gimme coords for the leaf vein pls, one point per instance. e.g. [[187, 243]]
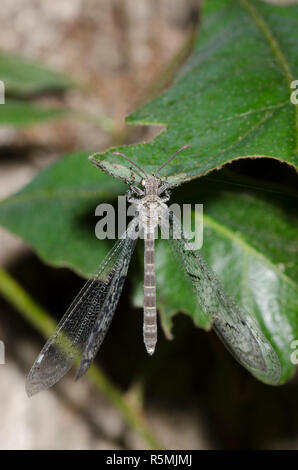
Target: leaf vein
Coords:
[[218, 227], [275, 47]]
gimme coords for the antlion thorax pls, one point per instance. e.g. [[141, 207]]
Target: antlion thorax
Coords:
[[150, 205]]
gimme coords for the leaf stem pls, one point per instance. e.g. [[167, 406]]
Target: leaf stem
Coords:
[[13, 292]]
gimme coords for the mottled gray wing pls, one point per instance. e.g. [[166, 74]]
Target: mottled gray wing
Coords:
[[108, 307], [68, 341], [237, 329]]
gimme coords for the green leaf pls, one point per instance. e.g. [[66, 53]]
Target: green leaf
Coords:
[[55, 213], [250, 242], [231, 100], [22, 77], [23, 113]]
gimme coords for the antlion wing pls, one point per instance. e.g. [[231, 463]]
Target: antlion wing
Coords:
[[107, 309], [237, 329], [91, 311]]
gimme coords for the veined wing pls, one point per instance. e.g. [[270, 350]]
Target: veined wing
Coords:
[[107, 308], [69, 339], [238, 331]]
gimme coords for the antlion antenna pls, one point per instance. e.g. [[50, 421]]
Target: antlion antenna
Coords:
[[158, 169], [130, 161], [171, 158]]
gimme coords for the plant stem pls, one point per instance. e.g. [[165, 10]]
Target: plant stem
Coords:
[[41, 320]]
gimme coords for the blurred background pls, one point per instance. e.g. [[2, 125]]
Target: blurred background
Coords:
[[121, 53]]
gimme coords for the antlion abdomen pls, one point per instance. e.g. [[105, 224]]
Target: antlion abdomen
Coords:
[[149, 210], [150, 325]]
